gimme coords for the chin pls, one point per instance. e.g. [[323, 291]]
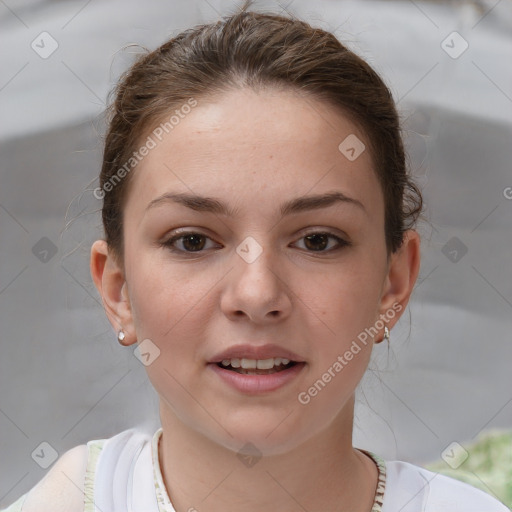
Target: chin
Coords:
[[259, 440]]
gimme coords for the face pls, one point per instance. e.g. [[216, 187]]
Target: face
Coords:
[[200, 282]]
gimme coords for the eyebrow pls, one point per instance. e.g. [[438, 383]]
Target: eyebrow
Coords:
[[212, 205]]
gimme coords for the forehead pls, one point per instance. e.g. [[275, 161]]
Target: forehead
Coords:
[[244, 143]]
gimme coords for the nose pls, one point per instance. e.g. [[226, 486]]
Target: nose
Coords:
[[257, 290]]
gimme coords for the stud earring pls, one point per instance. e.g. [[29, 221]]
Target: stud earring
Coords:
[[121, 336], [386, 333]]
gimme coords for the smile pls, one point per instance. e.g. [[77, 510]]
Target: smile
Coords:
[[257, 366], [245, 375]]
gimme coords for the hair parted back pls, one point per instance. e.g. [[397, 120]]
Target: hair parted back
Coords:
[[257, 50]]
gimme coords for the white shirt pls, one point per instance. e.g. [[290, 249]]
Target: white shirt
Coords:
[[123, 475]]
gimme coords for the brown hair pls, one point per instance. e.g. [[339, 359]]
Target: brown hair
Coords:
[[251, 49]]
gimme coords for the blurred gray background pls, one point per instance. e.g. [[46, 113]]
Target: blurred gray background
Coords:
[[65, 380]]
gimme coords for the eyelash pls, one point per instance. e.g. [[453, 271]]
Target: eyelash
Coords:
[[169, 243]]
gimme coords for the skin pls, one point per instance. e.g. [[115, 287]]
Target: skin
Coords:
[[254, 151]]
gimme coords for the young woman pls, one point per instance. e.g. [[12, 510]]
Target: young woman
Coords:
[[259, 240]]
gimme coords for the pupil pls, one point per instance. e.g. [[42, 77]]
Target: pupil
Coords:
[[315, 238], [195, 245]]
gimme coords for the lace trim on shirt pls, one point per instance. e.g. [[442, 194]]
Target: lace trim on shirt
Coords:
[[162, 498], [378, 501], [165, 505], [95, 448]]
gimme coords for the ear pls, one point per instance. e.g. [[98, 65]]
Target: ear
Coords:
[[402, 273], [110, 281]]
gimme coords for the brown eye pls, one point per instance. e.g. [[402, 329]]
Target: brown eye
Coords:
[[318, 241], [193, 242], [190, 242]]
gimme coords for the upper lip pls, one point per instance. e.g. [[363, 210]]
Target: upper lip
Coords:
[[260, 352]]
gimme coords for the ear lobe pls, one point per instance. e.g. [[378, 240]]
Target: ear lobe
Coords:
[[111, 284]]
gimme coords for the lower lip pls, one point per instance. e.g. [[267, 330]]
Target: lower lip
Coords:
[[256, 384]]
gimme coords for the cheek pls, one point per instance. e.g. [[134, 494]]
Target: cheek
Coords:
[[169, 309], [344, 300], [169, 306]]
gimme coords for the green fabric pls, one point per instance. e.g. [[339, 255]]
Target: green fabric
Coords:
[[487, 467], [95, 448], [16, 506]]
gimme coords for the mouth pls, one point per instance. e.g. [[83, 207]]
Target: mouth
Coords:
[[257, 366], [257, 381]]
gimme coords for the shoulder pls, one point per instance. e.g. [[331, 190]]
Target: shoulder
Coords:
[[62, 488], [70, 484], [411, 488]]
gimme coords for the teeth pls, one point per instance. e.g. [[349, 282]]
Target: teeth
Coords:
[[249, 364], [261, 364]]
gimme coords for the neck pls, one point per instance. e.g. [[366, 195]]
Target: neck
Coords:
[[323, 473]]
